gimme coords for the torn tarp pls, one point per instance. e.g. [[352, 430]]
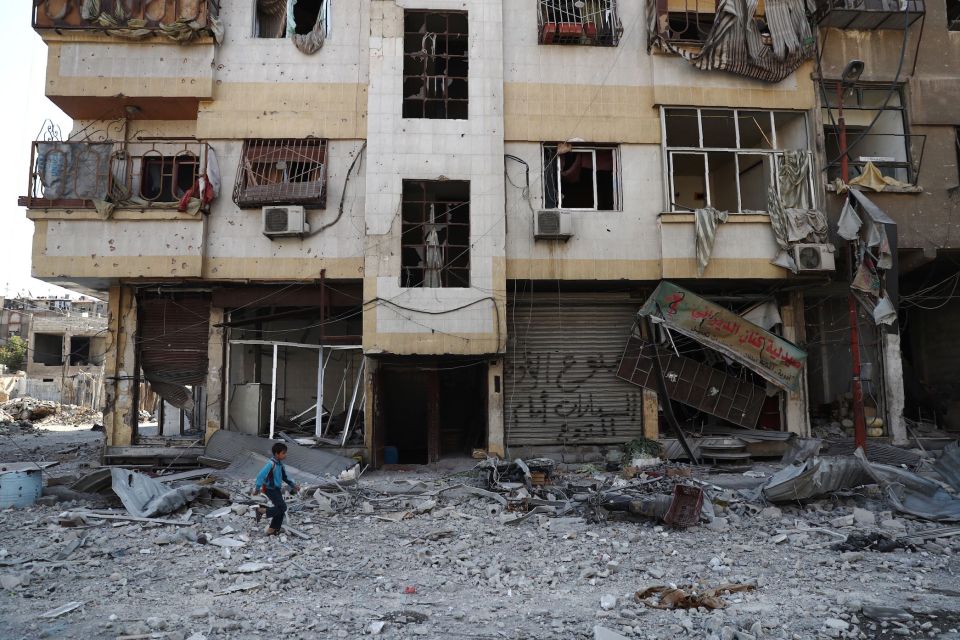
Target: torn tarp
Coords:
[[145, 497], [772, 357], [735, 43]]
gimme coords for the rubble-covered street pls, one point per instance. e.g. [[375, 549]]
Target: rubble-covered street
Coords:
[[435, 553]]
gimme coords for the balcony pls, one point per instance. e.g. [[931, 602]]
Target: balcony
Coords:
[[179, 20], [586, 22], [149, 174], [867, 15]]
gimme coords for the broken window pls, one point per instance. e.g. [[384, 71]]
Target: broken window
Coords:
[[687, 21], [282, 171], [435, 65], [727, 158], [876, 132], [435, 240], [953, 15], [48, 349], [284, 18], [79, 350], [581, 177], [590, 22], [166, 178]]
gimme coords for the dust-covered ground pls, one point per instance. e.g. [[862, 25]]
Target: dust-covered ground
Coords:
[[454, 569]]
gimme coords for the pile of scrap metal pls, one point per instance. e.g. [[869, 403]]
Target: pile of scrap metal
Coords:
[[904, 490], [530, 487]]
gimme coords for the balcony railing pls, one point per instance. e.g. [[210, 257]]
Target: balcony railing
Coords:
[[896, 155], [868, 15], [137, 175], [590, 22], [181, 20]]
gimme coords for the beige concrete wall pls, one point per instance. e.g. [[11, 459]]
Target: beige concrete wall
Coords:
[[435, 320]]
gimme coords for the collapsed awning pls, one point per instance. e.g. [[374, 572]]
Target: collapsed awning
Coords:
[[770, 356]]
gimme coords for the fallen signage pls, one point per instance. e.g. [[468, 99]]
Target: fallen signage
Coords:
[[775, 359]]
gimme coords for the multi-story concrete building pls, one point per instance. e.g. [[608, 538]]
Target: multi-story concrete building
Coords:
[[434, 218]]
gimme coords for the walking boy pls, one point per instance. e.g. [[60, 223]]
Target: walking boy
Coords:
[[270, 481]]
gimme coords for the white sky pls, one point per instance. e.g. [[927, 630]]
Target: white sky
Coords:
[[23, 112]]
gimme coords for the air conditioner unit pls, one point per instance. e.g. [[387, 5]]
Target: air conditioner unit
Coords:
[[552, 224], [814, 257], [284, 221]]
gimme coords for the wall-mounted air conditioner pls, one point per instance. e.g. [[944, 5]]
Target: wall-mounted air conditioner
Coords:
[[281, 221], [552, 224], [814, 257]]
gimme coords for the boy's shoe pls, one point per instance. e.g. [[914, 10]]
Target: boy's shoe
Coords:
[[261, 511], [272, 532]]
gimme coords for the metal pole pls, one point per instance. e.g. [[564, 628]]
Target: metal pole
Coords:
[[273, 393], [859, 424], [353, 401], [318, 426]]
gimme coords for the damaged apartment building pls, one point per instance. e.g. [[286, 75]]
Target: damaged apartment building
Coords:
[[418, 228]]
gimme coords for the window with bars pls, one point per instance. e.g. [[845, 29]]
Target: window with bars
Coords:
[[727, 158], [166, 178], [589, 22], [876, 132], [435, 65], [435, 240], [581, 177], [282, 171]]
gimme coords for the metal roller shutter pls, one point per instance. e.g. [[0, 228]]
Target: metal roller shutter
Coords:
[[561, 366]]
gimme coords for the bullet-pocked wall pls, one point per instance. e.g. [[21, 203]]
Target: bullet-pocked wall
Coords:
[[435, 319], [612, 95]]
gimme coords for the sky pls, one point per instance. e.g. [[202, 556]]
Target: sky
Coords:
[[24, 112]]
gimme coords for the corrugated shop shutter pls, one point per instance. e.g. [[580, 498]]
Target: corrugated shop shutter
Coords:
[[173, 337], [561, 364]]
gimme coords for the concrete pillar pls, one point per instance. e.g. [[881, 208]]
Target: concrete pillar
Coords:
[[651, 415], [798, 403], [214, 384], [893, 386], [496, 444], [118, 409], [369, 407]]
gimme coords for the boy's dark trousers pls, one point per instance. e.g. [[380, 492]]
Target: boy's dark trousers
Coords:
[[275, 513]]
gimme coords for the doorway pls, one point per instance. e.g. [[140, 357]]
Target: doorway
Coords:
[[430, 410]]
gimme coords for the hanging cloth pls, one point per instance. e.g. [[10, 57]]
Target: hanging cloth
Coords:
[[307, 42], [707, 221]]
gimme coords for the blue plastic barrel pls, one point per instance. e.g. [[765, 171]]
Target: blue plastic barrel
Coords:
[[20, 488], [391, 455]]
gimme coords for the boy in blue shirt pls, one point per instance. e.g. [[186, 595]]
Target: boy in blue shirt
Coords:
[[270, 482]]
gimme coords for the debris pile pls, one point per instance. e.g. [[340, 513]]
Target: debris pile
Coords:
[[41, 412]]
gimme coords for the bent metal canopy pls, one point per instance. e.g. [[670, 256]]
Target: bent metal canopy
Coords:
[[775, 359]]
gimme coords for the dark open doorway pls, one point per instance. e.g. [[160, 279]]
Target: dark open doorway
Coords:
[[430, 410]]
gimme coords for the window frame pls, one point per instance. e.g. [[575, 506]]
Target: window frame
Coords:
[[856, 103], [325, 9], [578, 30], [446, 80], [558, 182], [775, 153], [448, 271]]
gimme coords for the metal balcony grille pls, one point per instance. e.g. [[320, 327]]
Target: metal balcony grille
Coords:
[[282, 171], [867, 15], [68, 174], [587, 22]]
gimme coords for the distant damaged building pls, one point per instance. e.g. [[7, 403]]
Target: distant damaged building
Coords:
[[418, 229]]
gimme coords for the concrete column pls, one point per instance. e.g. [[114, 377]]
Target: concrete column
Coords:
[[651, 415], [495, 432], [893, 386], [214, 384], [798, 402], [118, 409], [369, 406]]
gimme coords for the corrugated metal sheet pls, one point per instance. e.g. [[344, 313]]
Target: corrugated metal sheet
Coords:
[[561, 384], [227, 445], [173, 337]]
